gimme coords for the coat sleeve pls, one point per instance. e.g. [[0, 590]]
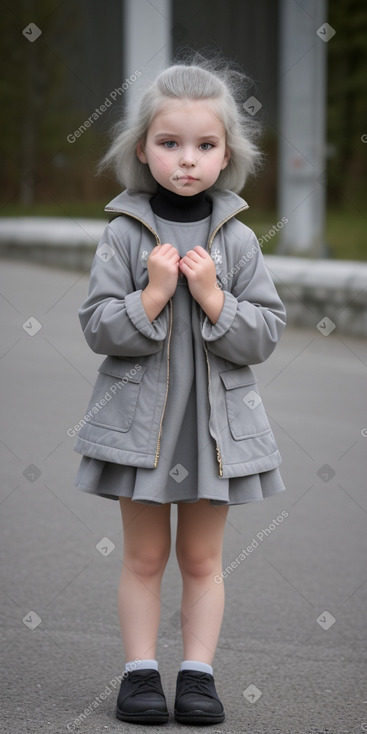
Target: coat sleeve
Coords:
[[112, 317], [253, 316]]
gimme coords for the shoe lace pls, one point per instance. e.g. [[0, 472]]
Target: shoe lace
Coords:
[[149, 682], [195, 684]]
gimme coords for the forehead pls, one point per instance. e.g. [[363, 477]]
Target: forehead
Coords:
[[177, 113]]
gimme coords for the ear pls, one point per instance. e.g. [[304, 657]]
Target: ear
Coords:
[[226, 158], [140, 152]]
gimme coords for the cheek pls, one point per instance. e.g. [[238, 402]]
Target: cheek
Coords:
[[217, 164], [160, 160]]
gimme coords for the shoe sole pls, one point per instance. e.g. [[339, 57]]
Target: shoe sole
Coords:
[[151, 716], [199, 717]]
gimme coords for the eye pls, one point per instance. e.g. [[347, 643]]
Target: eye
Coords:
[[169, 144], [206, 146]]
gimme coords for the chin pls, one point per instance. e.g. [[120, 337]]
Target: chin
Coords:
[[190, 190]]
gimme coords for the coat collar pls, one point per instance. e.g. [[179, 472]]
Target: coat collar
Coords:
[[226, 204]]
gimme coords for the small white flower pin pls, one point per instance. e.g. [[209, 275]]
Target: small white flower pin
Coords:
[[217, 256]]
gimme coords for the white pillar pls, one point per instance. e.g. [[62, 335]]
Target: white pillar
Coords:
[[303, 38], [146, 42]]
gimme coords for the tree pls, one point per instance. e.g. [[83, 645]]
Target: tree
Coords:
[[347, 101]]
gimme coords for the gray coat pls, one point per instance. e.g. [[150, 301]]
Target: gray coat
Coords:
[[124, 419]]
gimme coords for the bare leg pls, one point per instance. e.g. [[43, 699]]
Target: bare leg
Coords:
[[199, 545], [147, 540]]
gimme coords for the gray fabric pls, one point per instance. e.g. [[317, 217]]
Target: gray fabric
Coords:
[[123, 420], [187, 468]]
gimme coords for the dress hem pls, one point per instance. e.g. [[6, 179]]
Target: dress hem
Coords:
[[149, 501]]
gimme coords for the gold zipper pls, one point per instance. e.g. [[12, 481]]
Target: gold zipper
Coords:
[[210, 242], [168, 343], [218, 454], [167, 384], [120, 211]]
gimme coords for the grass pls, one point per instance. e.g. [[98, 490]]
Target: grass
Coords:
[[78, 209], [345, 236], [346, 231]]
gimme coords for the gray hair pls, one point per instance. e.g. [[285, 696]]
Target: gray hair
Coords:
[[200, 78]]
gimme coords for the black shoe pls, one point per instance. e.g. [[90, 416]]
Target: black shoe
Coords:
[[197, 701], [141, 699]]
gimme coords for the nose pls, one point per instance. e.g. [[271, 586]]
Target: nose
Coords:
[[187, 157]]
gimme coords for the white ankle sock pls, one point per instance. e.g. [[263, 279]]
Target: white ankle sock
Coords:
[[138, 665], [196, 665]]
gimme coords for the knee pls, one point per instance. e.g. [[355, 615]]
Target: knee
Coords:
[[147, 561], [199, 563]]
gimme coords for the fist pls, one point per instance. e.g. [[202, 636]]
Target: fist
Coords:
[[163, 269], [199, 269]]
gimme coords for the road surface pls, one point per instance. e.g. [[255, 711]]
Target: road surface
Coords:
[[292, 651]]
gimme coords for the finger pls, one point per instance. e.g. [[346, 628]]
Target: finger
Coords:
[[192, 255], [201, 251], [156, 250], [168, 249], [164, 248], [172, 255], [183, 264]]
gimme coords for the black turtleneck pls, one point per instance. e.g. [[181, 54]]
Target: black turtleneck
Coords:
[[169, 205]]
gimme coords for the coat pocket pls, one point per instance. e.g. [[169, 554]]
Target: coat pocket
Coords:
[[115, 394], [245, 410]]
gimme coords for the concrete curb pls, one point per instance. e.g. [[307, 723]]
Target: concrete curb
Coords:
[[61, 242], [314, 289], [326, 294]]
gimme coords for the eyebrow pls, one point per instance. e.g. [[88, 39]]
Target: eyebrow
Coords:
[[175, 135]]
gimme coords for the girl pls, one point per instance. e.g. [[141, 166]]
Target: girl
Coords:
[[181, 303]]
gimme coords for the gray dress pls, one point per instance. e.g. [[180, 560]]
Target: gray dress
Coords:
[[187, 468]]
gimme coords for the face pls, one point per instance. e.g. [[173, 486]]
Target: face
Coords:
[[185, 147]]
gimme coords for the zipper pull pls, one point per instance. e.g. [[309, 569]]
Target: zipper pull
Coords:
[[219, 459]]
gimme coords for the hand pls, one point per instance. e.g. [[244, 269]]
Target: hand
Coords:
[[199, 269], [163, 269]]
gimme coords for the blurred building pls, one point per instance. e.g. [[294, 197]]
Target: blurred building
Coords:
[[62, 93]]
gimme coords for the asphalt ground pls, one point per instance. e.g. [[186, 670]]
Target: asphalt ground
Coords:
[[292, 651]]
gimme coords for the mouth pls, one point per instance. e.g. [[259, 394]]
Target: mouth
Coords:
[[183, 177], [186, 178]]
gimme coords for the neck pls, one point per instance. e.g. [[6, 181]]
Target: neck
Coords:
[[169, 205]]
